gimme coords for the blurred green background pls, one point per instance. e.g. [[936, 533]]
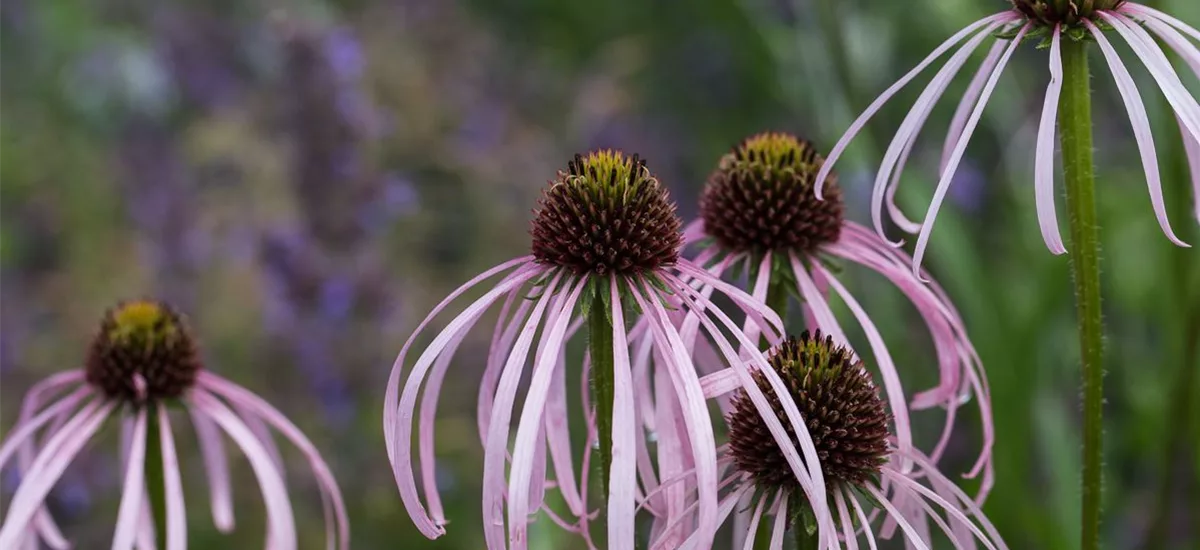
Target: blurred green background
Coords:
[[306, 180]]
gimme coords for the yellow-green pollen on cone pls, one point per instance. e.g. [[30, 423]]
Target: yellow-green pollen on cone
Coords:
[[1047, 13], [146, 339]]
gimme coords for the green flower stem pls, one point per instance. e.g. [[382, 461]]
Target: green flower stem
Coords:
[[154, 472], [600, 342], [1075, 124]]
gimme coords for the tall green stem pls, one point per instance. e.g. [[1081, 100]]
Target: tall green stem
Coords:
[[154, 472], [600, 342], [1075, 124]]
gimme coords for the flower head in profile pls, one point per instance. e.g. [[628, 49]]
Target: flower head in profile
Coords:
[[758, 216], [142, 360], [871, 495], [1054, 21], [605, 248]]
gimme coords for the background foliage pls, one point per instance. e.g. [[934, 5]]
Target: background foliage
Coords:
[[305, 180]]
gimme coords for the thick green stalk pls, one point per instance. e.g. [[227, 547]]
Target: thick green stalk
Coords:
[[600, 341], [154, 472], [1075, 125]]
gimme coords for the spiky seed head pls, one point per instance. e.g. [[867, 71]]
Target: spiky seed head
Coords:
[[146, 338], [842, 409], [761, 198], [606, 214], [1048, 13]]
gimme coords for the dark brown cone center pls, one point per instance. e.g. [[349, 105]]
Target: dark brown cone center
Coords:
[[142, 352], [845, 416], [761, 198], [606, 214]]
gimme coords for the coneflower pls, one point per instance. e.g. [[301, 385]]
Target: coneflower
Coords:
[[605, 253], [142, 360], [1053, 21], [758, 212], [872, 495]]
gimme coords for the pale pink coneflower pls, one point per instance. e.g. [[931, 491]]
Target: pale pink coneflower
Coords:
[[758, 215], [606, 242], [1055, 21], [142, 360], [873, 496]]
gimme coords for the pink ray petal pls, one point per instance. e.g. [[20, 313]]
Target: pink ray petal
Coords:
[[807, 473], [1151, 13], [425, 427], [558, 437], [258, 407], [502, 341], [216, 469], [43, 391], [695, 413], [623, 478], [863, 521], [816, 301], [25, 430], [693, 232], [1044, 161], [402, 437], [131, 496], [846, 521], [1141, 129], [897, 152], [49, 465], [883, 98], [950, 509], [959, 150], [281, 526], [781, 520], [172, 486], [970, 97], [499, 426], [913, 536], [670, 457], [531, 417], [754, 520], [390, 403]]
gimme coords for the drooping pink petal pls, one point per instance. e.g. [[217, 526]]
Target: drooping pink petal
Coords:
[[502, 340], [863, 521], [816, 301], [808, 473], [768, 320], [1192, 147], [930, 470], [623, 478], [1043, 178], [883, 98], [913, 536], [281, 524], [43, 391], [950, 509], [781, 520], [390, 404], [754, 519], [49, 465], [216, 469], [499, 426], [134, 486], [402, 437], [425, 428], [883, 360], [670, 446], [693, 232], [172, 485], [1151, 13], [896, 155], [959, 150], [258, 407], [531, 417], [845, 520], [969, 98], [558, 437], [1141, 128], [25, 430], [695, 412]]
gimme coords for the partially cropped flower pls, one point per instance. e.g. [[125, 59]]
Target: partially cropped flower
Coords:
[[606, 244], [1054, 21], [143, 360], [758, 215], [865, 486]]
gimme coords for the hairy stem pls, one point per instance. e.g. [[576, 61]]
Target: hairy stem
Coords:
[[154, 471], [1075, 124], [600, 342]]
